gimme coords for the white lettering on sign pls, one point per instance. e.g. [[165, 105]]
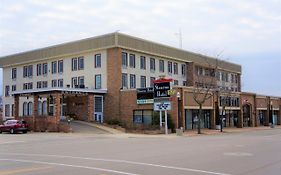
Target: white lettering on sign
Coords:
[[162, 106]]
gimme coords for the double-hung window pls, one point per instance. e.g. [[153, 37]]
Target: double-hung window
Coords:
[[124, 59], [124, 80], [161, 66], [54, 67], [74, 83], [132, 60], [143, 81], [98, 81], [30, 71], [170, 67], [132, 81], [25, 70], [97, 60], [142, 62], [45, 68], [80, 63], [60, 82], [152, 64], [14, 73], [81, 81], [175, 68], [39, 69], [152, 79], [74, 64], [54, 83], [60, 66], [183, 69]]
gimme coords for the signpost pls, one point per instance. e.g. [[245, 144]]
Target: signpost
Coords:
[[162, 92]]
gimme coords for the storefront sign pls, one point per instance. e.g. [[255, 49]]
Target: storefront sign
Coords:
[[145, 101], [162, 89], [162, 106]]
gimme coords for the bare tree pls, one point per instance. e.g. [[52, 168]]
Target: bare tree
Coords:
[[205, 84]]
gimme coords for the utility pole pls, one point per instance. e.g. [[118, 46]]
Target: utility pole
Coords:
[[180, 38]]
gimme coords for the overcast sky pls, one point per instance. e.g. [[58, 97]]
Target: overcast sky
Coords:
[[247, 32]]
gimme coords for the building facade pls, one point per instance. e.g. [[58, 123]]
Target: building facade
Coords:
[[97, 79]]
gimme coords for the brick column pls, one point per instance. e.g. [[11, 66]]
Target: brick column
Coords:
[[266, 119], [90, 112], [35, 110], [16, 106], [57, 107]]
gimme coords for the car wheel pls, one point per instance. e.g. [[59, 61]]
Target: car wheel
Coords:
[[0, 132], [12, 131], [24, 132]]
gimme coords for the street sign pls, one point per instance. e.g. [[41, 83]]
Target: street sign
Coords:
[[162, 106]]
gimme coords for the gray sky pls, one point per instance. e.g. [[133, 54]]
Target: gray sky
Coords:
[[248, 32]]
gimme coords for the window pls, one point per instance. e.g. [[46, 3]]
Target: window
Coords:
[[80, 63], [170, 67], [54, 83], [142, 62], [98, 81], [14, 73], [152, 64], [60, 66], [124, 59], [30, 71], [25, 109], [175, 68], [39, 69], [124, 81], [7, 91], [176, 82], [184, 83], [152, 79], [74, 83], [60, 82], [98, 60], [7, 110], [39, 84], [54, 67], [74, 64], [142, 117], [81, 81], [45, 68], [183, 69], [40, 112], [44, 84], [27, 86], [199, 71], [14, 87], [30, 108], [143, 81], [132, 61], [161, 66], [25, 70], [44, 105], [132, 81]]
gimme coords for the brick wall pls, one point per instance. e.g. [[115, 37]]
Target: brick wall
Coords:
[[114, 79]]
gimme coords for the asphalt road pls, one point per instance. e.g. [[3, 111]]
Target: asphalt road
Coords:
[[251, 153]]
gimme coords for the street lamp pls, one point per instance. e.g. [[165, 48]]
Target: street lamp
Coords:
[[179, 112]]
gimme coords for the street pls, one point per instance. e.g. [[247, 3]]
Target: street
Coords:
[[246, 153]]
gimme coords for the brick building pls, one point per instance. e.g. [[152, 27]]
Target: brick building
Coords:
[[97, 79]]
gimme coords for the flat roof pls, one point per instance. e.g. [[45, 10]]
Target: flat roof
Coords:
[[115, 40]]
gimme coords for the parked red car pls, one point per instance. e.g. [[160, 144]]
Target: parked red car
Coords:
[[14, 126]]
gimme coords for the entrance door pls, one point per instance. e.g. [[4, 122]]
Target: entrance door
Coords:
[[98, 106], [246, 115]]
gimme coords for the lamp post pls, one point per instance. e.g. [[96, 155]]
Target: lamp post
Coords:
[[271, 114], [179, 112]]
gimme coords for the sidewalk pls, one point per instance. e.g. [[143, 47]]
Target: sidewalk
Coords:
[[227, 130]]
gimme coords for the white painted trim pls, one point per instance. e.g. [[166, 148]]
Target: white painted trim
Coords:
[[98, 91]]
